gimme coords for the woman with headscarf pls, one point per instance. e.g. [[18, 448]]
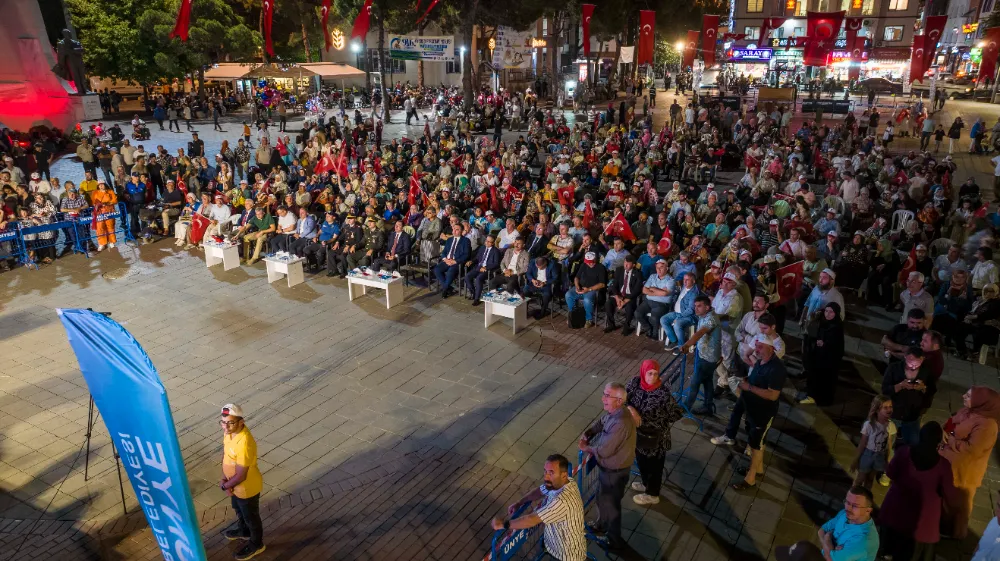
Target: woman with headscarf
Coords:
[[822, 356], [852, 268], [970, 436], [654, 409], [884, 272], [922, 481]]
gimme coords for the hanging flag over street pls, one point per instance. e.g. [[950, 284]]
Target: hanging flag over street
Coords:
[[588, 12], [822, 29], [647, 26], [362, 22], [183, 21], [709, 32]]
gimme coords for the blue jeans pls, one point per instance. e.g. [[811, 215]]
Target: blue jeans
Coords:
[[908, 432], [704, 372], [588, 302], [675, 326]]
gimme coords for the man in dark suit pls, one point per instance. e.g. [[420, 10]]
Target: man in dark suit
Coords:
[[456, 251], [538, 243], [541, 278], [626, 286], [486, 260], [397, 248]]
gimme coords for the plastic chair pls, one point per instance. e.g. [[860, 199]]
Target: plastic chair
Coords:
[[899, 220], [940, 247]]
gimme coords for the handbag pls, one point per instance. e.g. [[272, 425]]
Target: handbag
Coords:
[[646, 440]]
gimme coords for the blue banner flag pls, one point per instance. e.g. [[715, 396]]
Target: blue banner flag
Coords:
[[129, 395]]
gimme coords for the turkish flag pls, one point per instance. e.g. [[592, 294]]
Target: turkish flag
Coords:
[[666, 243], [565, 195], [647, 24], [691, 48], [199, 224], [917, 59], [933, 29], [324, 164], [268, 15], [858, 50], [851, 28], [619, 228], [362, 22], [588, 12], [588, 214], [822, 28], [909, 266], [766, 26], [988, 66], [789, 282], [709, 32], [326, 16], [183, 21]]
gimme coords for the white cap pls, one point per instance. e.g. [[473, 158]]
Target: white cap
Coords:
[[731, 277], [830, 272], [921, 246], [773, 222], [590, 256], [764, 339], [232, 410]]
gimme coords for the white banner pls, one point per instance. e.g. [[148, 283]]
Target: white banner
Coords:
[[628, 55], [513, 48], [412, 47]]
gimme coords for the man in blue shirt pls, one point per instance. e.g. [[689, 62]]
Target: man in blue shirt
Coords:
[[657, 294], [615, 257], [647, 261], [851, 535], [315, 250], [682, 266]]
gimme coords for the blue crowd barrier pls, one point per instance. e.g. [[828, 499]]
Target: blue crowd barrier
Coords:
[[11, 245], [121, 230], [75, 229]]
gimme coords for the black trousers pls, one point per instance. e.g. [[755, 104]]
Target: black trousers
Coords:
[[656, 310], [474, 281], [315, 252], [336, 261], [248, 518], [609, 502], [651, 471], [544, 292], [510, 284], [611, 306]]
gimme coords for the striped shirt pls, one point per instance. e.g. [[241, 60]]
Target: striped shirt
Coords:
[[562, 514]]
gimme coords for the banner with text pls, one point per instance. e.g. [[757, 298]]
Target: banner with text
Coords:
[[513, 48], [412, 47], [132, 401]]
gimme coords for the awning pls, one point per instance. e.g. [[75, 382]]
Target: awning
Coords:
[[227, 71], [333, 70]]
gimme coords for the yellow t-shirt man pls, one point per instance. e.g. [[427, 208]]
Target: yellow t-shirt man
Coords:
[[87, 188], [240, 449]]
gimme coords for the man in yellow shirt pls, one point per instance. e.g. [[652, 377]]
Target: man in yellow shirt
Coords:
[[242, 481], [88, 186]]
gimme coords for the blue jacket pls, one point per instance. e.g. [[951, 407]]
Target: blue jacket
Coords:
[[492, 263], [306, 227], [405, 243], [327, 231], [550, 272], [462, 251], [136, 192], [687, 303]]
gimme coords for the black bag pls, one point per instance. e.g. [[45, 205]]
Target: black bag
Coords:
[[646, 440], [577, 317]]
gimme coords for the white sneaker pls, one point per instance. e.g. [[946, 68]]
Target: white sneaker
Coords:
[[723, 440], [111, 246], [179, 243], [645, 499], [884, 480], [638, 487], [100, 248]]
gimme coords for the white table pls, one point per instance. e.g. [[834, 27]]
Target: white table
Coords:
[[500, 308], [357, 287], [278, 267], [227, 254]]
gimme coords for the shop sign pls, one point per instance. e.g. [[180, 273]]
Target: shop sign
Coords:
[[970, 27], [750, 55], [801, 42], [975, 55], [845, 56], [891, 53]]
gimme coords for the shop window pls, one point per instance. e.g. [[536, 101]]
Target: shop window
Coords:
[[755, 6], [867, 7], [798, 31], [392, 65], [825, 6], [800, 8], [454, 66], [753, 33], [779, 33], [898, 5], [893, 33], [987, 6]]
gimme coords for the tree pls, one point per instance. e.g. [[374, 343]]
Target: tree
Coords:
[[113, 45]]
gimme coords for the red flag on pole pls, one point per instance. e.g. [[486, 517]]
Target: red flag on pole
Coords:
[[917, 59], [362, 22], [619, 228], [666, 243], [183, 21], [789, 282], [988, 66], [588, 213], [647, 24], [326, 32], [823, 28], [565, 195], [909, 266], [429, 8], [588, 12], [691, 48], [268, 15], [199, 224], [766, 26], [851, 28], [324, 164], [709, 32]]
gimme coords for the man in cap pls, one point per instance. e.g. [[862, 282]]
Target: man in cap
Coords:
[[242, 481], [822, 294], [590, 278], [351, 237], [771, 237], [374, 241], [828, 224], [728, 306]]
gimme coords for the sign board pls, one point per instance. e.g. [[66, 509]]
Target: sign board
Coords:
[[776, 94], [800, 42], [513, 48], [412, 47], [832, 106], [845, 56], [750, 55], [970, 27]]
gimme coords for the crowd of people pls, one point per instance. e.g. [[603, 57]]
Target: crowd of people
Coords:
[[627, 225]]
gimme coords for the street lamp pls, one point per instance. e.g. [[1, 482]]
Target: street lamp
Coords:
[[679, 45]]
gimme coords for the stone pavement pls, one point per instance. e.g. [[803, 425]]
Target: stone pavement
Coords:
[[387, 434]]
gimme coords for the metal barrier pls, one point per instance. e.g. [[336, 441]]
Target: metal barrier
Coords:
[[86, 222], [76, 229], [33, 245], [11, 245]]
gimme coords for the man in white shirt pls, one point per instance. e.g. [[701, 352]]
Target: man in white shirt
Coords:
[[849, 188], [996, 176], [728, 305], [794, 246], [945, 265], [984, 272], [508, 235], [750, 327], [286, 227], [219, 215]]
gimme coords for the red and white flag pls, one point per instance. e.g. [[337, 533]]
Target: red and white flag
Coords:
[[709, 35], [620, 228], [565, 195], [362, 22], [588, 213], [199, 224], [822, 28], [789, 282], [588, 12], [691, 48], [268, 16], [666, 243], [909, 266], [326, 17], [647, 27]]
